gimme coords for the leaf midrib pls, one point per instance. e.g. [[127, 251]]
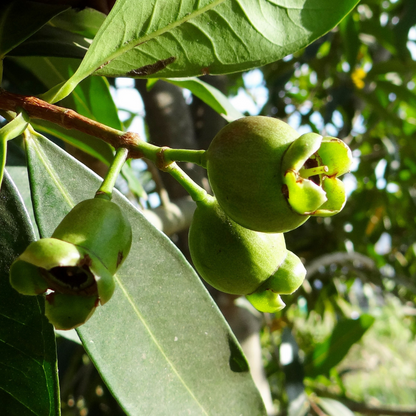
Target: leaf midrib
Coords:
[[159, 347]]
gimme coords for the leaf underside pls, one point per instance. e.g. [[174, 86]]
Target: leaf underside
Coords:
[[208, 37]]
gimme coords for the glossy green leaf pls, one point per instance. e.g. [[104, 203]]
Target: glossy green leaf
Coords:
[[20, 19], [333, 407], [161, 335], [210, 95], [331, 352], [51, 41], [91, 99], [28, 368], [191, 38], [85, 22]]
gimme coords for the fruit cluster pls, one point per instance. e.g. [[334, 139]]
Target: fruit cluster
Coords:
[[266, 180]]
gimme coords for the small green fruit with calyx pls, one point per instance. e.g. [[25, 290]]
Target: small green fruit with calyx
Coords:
[[269, 179], [77, 263], [239, 261]]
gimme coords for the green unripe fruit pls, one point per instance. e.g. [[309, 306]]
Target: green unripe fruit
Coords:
[[231, 258], [77, 263], [239, 261], [101, 227], [242, 162], [269, 179]]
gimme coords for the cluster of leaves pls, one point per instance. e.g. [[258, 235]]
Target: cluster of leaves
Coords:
[[162, 335], [162, 331]]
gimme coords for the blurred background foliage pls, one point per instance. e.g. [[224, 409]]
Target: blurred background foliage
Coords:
[[345, 342], [357, 83]]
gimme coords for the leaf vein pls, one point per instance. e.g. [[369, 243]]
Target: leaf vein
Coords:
[[22, 352], [19, 401]]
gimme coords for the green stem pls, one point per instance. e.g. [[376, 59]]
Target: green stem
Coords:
[[149, 151], [184, 155], [69, 119], [197, 193], [163, 156], [106, 189]]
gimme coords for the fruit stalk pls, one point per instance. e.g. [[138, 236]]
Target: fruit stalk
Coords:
[[106, 189], [197, 193]]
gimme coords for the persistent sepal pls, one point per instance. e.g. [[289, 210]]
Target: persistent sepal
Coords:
[[266, 301], [286, 280], [310, 169]]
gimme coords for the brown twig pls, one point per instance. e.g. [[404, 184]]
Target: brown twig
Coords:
[[70, 119]]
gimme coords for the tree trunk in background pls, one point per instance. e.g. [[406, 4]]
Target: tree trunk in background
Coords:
[[170, 123]]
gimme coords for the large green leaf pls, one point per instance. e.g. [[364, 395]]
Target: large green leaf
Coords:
[[160, 344], [91, 98], [28, 370], [20, 19], [196, 37], [330, 352]]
